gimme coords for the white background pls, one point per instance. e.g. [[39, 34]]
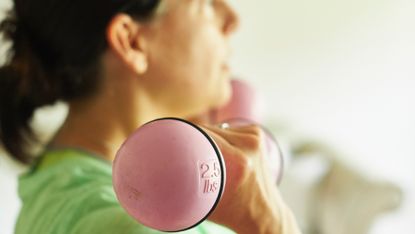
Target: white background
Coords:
[[341, 71]]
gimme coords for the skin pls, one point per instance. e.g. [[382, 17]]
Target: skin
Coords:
[[176, 65]]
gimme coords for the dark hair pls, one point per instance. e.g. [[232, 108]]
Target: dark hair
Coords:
[[56, 46]]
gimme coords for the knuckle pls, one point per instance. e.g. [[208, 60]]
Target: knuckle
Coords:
[[256, 130], [242, 168], [245, 168], [253, 142]]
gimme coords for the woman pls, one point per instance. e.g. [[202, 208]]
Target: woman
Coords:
[[119, 64]]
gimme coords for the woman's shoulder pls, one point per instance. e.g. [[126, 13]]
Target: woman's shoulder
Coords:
[[70, 191], [61, 187], [64, 171]]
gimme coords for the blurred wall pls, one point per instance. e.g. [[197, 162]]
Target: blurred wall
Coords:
[[342, 72]]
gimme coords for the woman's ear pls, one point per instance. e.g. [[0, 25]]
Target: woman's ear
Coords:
[[125, 39]]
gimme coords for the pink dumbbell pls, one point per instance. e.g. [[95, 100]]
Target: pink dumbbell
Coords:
[[244, 104], [169, 175], [243, 109]]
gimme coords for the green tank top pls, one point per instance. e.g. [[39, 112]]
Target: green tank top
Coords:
[[70, 191]]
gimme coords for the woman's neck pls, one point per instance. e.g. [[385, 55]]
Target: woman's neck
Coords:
[[95, 129], [100, 124]]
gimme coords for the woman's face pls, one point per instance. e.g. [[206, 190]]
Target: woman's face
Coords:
[[188, 55]]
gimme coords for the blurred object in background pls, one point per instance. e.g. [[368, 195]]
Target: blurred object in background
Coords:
[[329, 197]]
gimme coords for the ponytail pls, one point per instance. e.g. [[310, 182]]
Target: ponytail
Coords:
[[23, 87], [15, 112]]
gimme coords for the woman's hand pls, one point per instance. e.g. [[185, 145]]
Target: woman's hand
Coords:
[[251, 202]]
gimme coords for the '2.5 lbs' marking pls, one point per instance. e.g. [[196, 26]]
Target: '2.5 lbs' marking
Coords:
[[209, 175]]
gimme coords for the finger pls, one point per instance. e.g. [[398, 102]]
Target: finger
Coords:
[[246, 128], [227, 149], [245, 140], [238, 163]]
